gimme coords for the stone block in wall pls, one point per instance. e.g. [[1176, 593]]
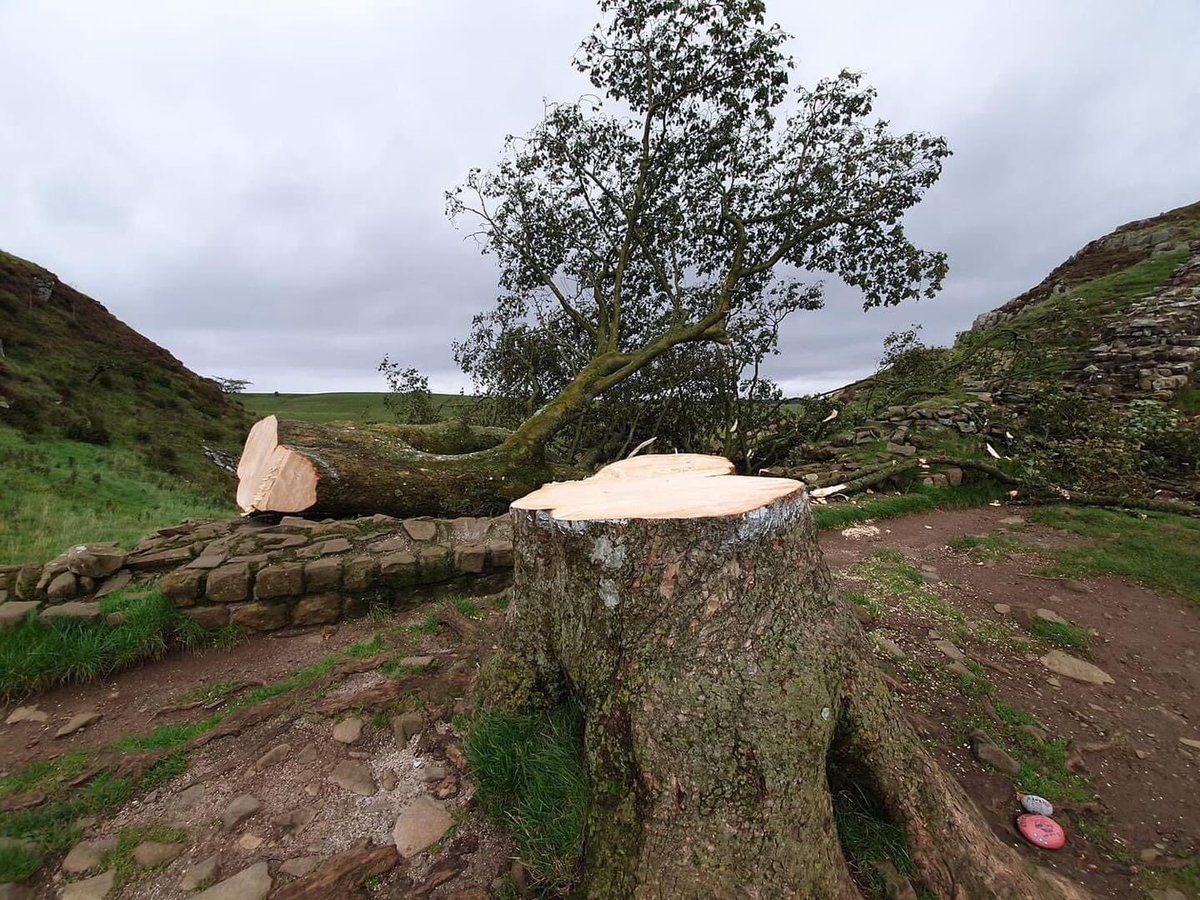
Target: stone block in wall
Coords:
[[183, 586], [282, 580], [421, 529], [27, 580], [359, 573], [209, 558], [95, 560], [326, 548], [317, 609], [390, 544], [500, 554], [436, 563], [470, 558], [229, 583], [75, 611], [261, 616], [50, 571], [209, 616], [13, 613], [117, 582], [468, 530], [62, 587], [159, 559], [398, 569], [323, 575]]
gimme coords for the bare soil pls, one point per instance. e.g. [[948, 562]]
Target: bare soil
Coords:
[[1125, 737]]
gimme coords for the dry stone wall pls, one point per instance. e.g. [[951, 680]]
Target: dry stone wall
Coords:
[[265, 574]]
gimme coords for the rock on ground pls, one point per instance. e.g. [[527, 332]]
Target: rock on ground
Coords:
[[420, 825], [253, 883], [1064, 664]]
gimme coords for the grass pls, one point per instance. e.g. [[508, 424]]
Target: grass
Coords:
[[1043, 762], [1064, 637], [121, 858], [921, 499], [56, 493], [989, 547], [1160, 550], [18, 863], [337, 407], [38, 655], [1188, 401], [531, 779], [867, 836]]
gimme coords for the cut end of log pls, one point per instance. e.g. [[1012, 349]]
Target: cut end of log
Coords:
[[659, 486], [272, 477]]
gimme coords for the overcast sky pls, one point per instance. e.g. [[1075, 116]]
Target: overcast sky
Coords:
[[258, 186]]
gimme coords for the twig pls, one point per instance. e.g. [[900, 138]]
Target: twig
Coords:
[[640, 447]]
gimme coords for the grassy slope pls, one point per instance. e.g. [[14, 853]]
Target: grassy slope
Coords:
[[55, 493], [336, 407], [71, 369]]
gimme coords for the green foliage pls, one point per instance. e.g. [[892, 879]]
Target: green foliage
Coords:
[[37, 655], [1187, 401], [467, 607], [1065, 637], [531, 779], [56, 493], [1157, 549]]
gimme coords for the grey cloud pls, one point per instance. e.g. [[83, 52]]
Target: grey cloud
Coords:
[[258, 187]]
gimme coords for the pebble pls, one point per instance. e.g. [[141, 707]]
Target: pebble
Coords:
[[253, 883], [308, 755], [190, 797], [388, 780], [238, 811], [273, 757], [299, 866], [420, 825], [1068, 666], [86, 855], [95, 888], [200, 874], [354, 777], [349, 730], [76, 722], [948, 649], [250, 841], [149, 854], [26, 714], [1003, 608]]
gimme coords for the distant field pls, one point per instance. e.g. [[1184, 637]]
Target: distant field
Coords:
[[348, 407]]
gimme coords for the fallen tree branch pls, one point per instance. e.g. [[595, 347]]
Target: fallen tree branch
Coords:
[[458, 623]]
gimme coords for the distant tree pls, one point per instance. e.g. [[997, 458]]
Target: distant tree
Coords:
[[232, 385], [408, 398]]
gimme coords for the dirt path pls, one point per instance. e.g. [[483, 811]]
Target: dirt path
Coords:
[[317, 794]]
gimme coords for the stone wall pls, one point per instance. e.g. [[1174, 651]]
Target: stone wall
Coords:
[[267, 573]]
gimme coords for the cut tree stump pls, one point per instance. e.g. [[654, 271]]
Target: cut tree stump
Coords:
[[335, 469], [690, 613]]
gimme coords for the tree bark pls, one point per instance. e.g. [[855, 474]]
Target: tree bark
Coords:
[[721, 678], [342, 469]]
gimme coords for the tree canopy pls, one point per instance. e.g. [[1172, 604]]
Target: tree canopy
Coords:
[[695, 190]]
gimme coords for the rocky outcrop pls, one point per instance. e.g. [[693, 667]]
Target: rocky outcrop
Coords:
[[265, 574]]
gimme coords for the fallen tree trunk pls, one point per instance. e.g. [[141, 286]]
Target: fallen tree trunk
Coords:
[[344, 470], [690, 613]]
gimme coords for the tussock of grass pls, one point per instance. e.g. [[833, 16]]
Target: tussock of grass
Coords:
[[867, 835], [17, 863], [921, 499], [531, 779], [991, 547], [467, 607], [1160, 550], [1064, 637], [38, 655]]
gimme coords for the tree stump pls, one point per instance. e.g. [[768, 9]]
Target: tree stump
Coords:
[[689, 611]]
